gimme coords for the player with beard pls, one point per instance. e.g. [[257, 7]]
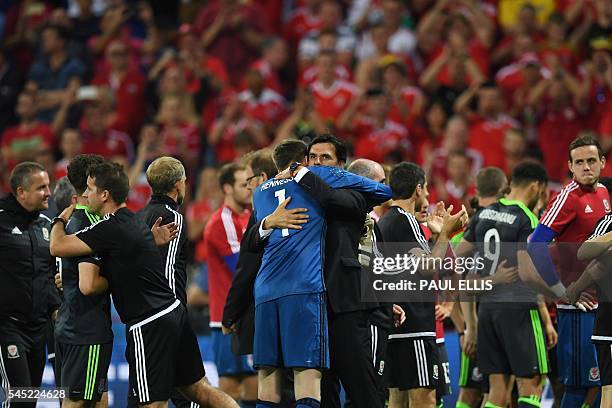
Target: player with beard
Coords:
[[509, 315], [162, 350], [569, 219]]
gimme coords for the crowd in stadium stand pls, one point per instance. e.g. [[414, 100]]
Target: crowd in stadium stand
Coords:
[[452, 85]]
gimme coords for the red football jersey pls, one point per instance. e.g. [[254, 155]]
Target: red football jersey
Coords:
[[330, 102], [487, 136], [572, 214], [222, 237], [377, 143], [310, 75], [409, 95], [269, 109]]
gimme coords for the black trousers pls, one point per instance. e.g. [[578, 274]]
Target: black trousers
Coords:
[[357, 351], [22, 367]]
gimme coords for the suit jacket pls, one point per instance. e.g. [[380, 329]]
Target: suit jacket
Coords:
[[240, 304], [345, 214]]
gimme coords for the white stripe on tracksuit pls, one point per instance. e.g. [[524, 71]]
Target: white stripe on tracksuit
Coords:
[[141, 365], [421, 360], [374, 332], [4, 383], [173, 249]]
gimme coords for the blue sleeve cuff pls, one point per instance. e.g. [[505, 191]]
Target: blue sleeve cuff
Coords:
[[538, 251]]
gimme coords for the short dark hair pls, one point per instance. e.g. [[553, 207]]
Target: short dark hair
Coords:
[[62, 33], [489, 181], [404, 179], [261, 161], [528, 172], [289, 151], [585, 139], [227, 174], [111, 177], [78, 169], [339, 145], [20, 176], [63, 192]]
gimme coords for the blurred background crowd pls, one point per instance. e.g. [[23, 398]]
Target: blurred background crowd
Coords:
[[452, 85]]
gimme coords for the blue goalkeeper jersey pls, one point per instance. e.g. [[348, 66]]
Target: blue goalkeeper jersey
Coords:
[[293, 260]]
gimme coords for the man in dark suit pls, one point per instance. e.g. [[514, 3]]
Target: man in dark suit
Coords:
[[350, 330]]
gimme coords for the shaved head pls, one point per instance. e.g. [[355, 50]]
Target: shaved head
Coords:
[[368, 168]]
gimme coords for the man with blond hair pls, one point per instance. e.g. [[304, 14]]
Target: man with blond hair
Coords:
[[166, 176]]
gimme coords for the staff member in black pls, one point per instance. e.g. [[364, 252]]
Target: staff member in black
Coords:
[[166, 177], [83, 330], [28, 296], [162, 350]]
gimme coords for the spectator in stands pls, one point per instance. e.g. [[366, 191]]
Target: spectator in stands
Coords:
[[600, 28], [330, 13], [208, 197], [11, 82], [70, 146], [459, 187], [518, 79], [149, 149], [401, 41], [559, 44], [180, 137], [233, 32], [463, 26], [455, 140], [53, 72], [561, 113], [24, 20], [23, 141], [262, 104], [84, 23], [327, 41], [273, 59], [302, 21], [407, 100], [367, 70], [98, 137], [597, 83], [127, 86], [488, 123], [515, 147], [331, 96], [520, 21], [428, 133], [232, 131], [302, 121], [375, 136], [113, 27]]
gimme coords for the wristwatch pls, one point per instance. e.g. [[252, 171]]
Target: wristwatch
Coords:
[[58, 219], [293, 168]]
